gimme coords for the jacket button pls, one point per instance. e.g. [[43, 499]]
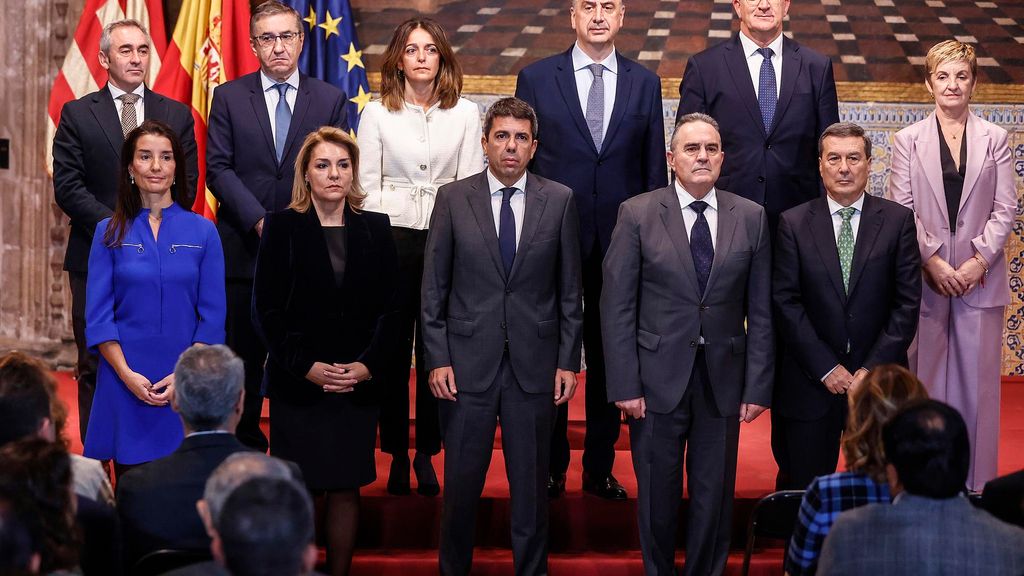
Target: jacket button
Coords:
[[423, 166], [508, 290], [693, 343], [768, 146], [280, 176], [503, 325], [703, 308], [760, 179]]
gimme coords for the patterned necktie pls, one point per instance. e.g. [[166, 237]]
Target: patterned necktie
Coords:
[[766, 97], [507, 230], [595, 105], [701, 248], [129, 119], [845, 245], [282, 119]]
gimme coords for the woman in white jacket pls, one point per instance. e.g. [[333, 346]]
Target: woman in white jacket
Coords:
[[417, 137]]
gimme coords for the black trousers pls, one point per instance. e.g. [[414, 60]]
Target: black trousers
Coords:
[[394, 410], [711, 442], [242, 338], [805, 449], [603, 419], [85, 368]]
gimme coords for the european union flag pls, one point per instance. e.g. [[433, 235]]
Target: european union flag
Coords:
[[331, 50]]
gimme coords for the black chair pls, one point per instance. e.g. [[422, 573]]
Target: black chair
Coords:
[[774, 516], [162, 561]]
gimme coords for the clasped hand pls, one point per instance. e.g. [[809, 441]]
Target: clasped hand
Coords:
[[337, 377]]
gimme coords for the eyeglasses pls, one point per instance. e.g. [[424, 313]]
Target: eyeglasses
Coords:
[[268, 40]]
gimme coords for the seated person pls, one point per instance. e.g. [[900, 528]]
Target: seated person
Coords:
[[20, 537], [872, 403], [930, 528], [1004, 498]]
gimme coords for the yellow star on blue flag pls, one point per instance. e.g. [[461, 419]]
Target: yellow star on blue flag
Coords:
[[331, 50]]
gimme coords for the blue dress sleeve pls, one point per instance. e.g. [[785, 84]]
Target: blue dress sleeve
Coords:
[[100, 325], [211, 305]]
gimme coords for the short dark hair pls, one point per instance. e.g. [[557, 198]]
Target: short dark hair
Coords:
[[272, 8], [207, 383], [926, 441], [844, 130], [24, 396], [510, 107], [265, 527]]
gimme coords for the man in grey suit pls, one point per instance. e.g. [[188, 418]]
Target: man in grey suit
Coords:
[[686, 321], [930, 528], [502, 316]]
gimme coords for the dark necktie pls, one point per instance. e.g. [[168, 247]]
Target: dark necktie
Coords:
[[701, 248], [595, 105], [282, 119], [845, 244], [507, 230], [129, 117], [766, 97]]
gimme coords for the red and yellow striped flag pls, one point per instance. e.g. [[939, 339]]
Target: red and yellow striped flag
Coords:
[[210, 46]]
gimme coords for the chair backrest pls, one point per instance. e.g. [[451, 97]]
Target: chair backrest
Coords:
[[774, 516], [162, 561]]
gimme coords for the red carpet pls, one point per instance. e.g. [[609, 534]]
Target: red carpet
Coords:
[[398, 535]]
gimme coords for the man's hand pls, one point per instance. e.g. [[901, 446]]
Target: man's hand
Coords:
[[442, 383], [565, 386], [750, 412], [635, 408], [839, 380]]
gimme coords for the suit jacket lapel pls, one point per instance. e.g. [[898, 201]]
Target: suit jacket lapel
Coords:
[[723, 238], [736, 63], [536, 200], [623, 92], [479, 199], [977, 144], [105, 112], [819, 220], [672, 219], [302, 99], [791, 64], [565, 77], [927, 152], [871, 220], [259, 108]]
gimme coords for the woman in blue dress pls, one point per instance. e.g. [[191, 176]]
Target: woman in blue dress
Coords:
[[155, 287]]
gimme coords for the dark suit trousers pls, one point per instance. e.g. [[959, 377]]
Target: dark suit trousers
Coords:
[[394, 410], [85, 369], [710, 442], [469, 425], [603, 419], [805, 449], [242, 338]]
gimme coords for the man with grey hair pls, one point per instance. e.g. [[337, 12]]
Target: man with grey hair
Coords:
[[686, 321], [156, 501], [86, 158]]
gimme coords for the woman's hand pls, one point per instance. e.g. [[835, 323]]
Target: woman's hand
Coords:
[[943, 278], [973, 272], [141, 387], [353, 373], [163, 391], [330, 377]]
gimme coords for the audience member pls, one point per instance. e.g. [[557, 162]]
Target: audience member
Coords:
[[1004, 498], [20, 551], [930, 528], [156, 501], [872, 403]]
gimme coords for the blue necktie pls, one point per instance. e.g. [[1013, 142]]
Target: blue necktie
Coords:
[[282, 119], [701, 248], [507, 230], [766, 97]]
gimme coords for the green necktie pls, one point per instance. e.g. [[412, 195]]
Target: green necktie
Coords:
[[846, 245]]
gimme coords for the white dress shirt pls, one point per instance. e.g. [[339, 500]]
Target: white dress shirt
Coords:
[[754, 60], [271, 95], [518, 202], [584, 78], [690, 215], [837, 222], [140, 104]]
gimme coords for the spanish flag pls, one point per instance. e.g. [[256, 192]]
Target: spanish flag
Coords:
[[209, 47]]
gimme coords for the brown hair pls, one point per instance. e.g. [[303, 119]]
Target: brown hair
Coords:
[[28, 394], [272, 8], [510, 107], [886, 389], [844, 130], [129, 199], [301, 194], [950, 51], [447, 84]]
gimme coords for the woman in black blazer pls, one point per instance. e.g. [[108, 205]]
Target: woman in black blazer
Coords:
[[324, 303]]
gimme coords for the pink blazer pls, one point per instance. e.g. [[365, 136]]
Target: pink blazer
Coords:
[[987, 207]]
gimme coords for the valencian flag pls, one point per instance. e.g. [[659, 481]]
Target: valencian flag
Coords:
[[81, 72], [209, 47], [331, 51]]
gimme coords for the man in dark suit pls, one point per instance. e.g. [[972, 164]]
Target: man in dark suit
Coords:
[[930, 528], [501, 330], [847, 289], [686, 316], [772, 97], [86, 159], [1004, 498], [256, 127], [157, 501], [602, 134]]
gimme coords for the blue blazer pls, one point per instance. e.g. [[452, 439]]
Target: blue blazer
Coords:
[[241, 161], [776, 166], [632, 157]]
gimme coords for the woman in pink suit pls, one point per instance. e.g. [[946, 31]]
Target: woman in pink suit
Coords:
[[953, 169]]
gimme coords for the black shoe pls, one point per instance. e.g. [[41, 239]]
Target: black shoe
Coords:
[[556, 485], [604, 486], [426, 478], [398, 477]]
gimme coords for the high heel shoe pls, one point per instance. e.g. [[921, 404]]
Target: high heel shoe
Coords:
[[426, 478]]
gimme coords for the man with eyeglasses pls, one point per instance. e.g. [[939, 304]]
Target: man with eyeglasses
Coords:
[[686, 321], [256, 127], [846, 289], [86, 157]]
